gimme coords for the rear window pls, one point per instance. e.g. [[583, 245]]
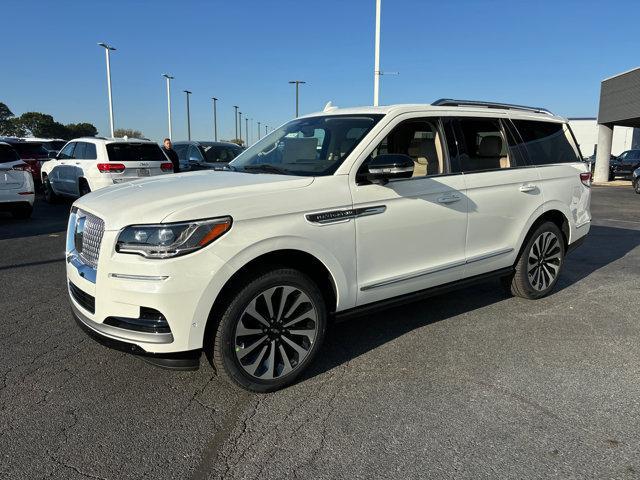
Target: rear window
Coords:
[[7, 154], [26, 150], [135, 152], [547, 142]]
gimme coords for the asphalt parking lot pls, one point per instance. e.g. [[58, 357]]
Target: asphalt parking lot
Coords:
[[472, 384]]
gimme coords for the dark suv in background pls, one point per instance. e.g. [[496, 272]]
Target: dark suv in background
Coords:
[[196, 155], [626, 163]]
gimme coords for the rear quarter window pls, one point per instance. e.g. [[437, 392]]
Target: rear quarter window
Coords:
[[135, 152], [546, 142]]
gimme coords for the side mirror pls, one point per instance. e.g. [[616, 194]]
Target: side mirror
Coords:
[[389, 166], [194, 159]]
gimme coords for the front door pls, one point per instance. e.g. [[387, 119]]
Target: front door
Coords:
[[61, 174], [410, 233]]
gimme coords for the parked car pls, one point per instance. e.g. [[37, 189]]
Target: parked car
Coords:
[[51, 145], [636, 180], [87, 164], [398, 203], [17, 191], [613, 161], [31, 153], [199, 155], [626, 163]]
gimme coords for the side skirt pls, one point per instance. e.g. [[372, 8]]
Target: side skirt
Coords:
[[419, 295]]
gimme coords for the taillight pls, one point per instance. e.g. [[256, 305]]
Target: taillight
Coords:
[[585, 178], [167, 167], [111, 167]]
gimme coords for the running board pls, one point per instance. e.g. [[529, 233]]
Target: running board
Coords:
[[419, 295]]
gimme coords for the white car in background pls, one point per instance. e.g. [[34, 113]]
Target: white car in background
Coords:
[[17, 191], [88, 164], [334, 213]]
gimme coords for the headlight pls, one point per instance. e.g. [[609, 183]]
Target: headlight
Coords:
[[171, 239]]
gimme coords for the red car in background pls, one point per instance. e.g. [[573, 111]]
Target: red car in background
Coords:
[[31, 153]]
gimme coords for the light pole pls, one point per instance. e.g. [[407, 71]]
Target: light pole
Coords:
[[240, 125], [215, 120], [297, 83], [188, 116], [258, 130], [246, 129], [107, 49], [266, 129], [169, 78], [235, 119], [376, 68]]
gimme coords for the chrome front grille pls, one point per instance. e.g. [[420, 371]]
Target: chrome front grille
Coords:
[[91, 238]]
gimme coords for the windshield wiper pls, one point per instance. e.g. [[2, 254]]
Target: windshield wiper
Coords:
[[265, 167]]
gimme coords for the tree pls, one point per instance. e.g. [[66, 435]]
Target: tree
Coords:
[[5, 112], [42, 125], [75, 130], [9, 125], [127, 132]]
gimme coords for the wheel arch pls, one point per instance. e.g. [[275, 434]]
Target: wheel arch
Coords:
[[552, 215]]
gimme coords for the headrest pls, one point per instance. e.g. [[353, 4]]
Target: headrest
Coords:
[[490, 146]]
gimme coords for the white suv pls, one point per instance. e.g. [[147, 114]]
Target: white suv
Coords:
[[17, 192], [331, 214], [87, 164]]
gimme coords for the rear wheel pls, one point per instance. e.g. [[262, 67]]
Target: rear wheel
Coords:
[[22, 212], [636, 185], [271, 331], [539, 264], [49, 195]]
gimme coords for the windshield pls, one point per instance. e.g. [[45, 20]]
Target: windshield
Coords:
[[29, 149], [135, 152], [220, 153], [312, 146], [54, 145]]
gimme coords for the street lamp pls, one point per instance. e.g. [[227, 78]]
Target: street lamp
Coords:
[[258, 130], [240, 125], [107, 49], [169, 78], [246, 130], [215, 120], [188, 115], [297, 83], [266, 129], [235, 119], [376, 68]]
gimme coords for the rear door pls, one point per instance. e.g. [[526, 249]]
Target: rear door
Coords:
[[140, 160], [74, 167], [503, 191]]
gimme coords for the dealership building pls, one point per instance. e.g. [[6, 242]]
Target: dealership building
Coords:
[[586, 132]]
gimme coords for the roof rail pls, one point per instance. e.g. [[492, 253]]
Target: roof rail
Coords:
[[449, 102]]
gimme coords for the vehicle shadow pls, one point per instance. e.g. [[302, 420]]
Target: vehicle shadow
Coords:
[[46, 219], [351, 338]]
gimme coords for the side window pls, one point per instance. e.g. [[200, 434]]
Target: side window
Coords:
[[479, 145], [194, 154], [419, 139], [547, 142], [90, 151], [79, 152], [67, 152], [181, 150]]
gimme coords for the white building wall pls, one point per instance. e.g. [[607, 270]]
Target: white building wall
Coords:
[[586, 132]]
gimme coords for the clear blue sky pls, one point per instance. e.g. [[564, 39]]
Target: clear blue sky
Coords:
[[543, 53]]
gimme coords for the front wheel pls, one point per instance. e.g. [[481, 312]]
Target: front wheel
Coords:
[[49, 195], [636, 185], [539, 264], [271, 331], [23, 212]]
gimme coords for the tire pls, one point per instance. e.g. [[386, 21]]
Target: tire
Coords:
[[83, 187], [49, 195], [22, 212], [536, 275], [636, 185], [254, 348]]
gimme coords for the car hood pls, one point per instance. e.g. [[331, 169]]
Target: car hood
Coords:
[[187, 196]]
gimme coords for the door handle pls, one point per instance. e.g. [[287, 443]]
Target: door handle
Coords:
[[527, 187], [446, 199], [77, 163]]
